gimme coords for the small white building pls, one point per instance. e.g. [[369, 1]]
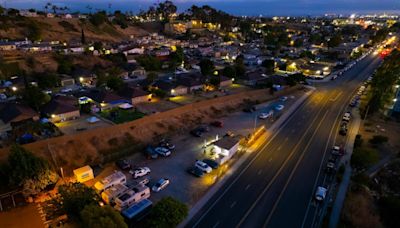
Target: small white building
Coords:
[[83, 174], [225, 148]]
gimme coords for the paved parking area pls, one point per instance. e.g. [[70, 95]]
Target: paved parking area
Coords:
[[22, 217], [185, 187], [70, 127]]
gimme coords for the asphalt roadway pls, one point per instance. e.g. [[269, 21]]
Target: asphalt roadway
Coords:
[[275, 186]]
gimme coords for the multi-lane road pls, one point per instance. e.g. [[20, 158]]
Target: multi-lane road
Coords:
[[276, 185]]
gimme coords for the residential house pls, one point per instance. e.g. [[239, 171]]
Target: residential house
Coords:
[[193, 81], [135, 94], [12, 114], [61, 108], [225, 81], [170, 88], [103, 99], [7, 46], [133, 51], [251, 78], [140, 73], [67, 81]]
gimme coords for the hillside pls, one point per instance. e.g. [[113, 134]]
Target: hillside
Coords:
[[63, 29]]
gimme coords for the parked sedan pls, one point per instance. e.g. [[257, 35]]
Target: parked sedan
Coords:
[[320, 193], [167, 144], [123, 164], [217, 123], [140, 172], [162, 151], [160, 185], [283, 98], [212, 163], [279, 107], [203, 166], [265, 115], [195, 171]]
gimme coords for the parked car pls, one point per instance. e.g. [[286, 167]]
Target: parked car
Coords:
[[167, 144], [337, 150], [333, 159], [279, 107], [203, 166], [229, 134], [160, 185], [151, 153], [123, 164], [343, 129], [217, 123], [249, 109], [140, 172], [203, 128], [346, 117], [196, 133], [330, 167], [320, 193], [162, 151], [265, 115], [195, 171], [284, 98], [212, 163]]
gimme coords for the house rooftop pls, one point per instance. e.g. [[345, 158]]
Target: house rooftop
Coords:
[[227, 142], [12, 112]]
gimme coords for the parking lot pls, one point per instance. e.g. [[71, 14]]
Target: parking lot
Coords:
[[183, 185]]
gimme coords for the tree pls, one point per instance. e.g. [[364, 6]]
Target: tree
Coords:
[[47, 80], [75, 196], [151, 77], [98, 18], [150, 63], [29, 171], [83, 39], [168, 212], [378, 139], [114, 82], [335, 41], [240, 69], [94, 216], [166, 9], [206, 66], [35, 185], [34, 97], [229, 71], [362, 158], [269, 65]]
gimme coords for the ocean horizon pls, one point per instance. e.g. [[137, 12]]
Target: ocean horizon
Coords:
[[239, 8]]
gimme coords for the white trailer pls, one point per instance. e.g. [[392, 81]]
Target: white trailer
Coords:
[[131, 197], [110, 181], [110, 194]]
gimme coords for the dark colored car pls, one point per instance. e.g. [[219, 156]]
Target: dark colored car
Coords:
[[213, 164], [196, 133], [150, 153], [195, 171], [249, 109], [166, 144], [123, 164], [343, 129], [203, 128], [217, 123]]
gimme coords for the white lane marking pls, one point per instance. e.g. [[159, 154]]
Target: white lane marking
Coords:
[[259, 172], [233, 204], [216, 224], [247, 187]]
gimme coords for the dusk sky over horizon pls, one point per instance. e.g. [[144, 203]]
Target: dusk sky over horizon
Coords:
[[238, 7]]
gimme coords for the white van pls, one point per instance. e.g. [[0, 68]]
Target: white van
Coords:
[[110, 181]]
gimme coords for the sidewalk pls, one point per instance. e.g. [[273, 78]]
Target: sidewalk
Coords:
[[343, 186], [270, 132]]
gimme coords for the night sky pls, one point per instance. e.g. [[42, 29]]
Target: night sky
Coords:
[[238, 7]]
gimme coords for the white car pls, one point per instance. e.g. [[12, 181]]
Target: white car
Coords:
[[160, 185], [140, 172], [346, 116], [320, 193], [284, 98], [162, 151], [279, 107], [265, 115], [66, 90], [203, 166]]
